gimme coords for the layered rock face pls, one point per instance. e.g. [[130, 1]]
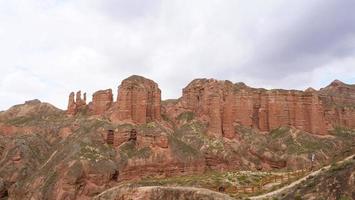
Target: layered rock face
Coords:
[[275, 108], [339, 99], [214, 102], [75, 102], [149, 150], [223, 104], [139, 101], [45, 154], [101, 101]]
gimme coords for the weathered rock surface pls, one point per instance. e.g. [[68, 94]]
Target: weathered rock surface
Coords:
[[214, 102], [29, 108], [216, 125], [46, 154], [101, 101], [223, 104], [75, 102], [339, 99], [138, 101]]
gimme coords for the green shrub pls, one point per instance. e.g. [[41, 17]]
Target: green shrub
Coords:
[[298, 197], [345, 198], [187, 116]]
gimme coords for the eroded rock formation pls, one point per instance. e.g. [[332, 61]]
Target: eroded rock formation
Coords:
[[214, 102], [138, 101], [75, 102], [222, 105], [101, 101], [339, 99], [45, 154]]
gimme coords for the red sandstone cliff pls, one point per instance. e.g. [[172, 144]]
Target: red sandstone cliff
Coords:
[[101, 101], [339, 99], [45, 154], [138, 101], [75, 102], [214, 102], [222, 105]]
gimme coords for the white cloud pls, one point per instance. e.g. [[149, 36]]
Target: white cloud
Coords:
[[50, 48]]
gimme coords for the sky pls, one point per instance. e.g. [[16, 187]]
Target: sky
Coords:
[[49, 48]]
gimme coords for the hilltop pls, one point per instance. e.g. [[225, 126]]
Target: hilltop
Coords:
[[215, 127]]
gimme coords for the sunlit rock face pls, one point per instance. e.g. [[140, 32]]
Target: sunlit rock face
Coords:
[[223, 104], [101, 101], [138, 101]]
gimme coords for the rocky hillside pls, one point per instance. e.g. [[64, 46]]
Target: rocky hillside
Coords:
[[336, 183], [161, 193], [216, 126]]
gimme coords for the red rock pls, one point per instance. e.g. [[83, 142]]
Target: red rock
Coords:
[[212, 101], [71, 104], [65, 132], [222, 104], [138, 101], [101, 101], [161, 141], [75, 104], [267, 158], [79, 101], [339, 99]]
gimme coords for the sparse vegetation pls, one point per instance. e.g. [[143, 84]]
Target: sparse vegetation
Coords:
[[91, 153], [211, 180], [279, 132], [183, 150], [186, 116], [129, 150]]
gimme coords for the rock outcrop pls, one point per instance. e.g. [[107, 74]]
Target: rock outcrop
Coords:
[[101, 101], [222, 104], [75, 102], [339, 99], [46, 154], [138, 101], [214, 102]]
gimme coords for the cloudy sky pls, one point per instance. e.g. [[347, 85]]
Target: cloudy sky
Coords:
[[51, 47]]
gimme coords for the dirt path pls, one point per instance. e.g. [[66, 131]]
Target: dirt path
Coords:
[[170, 191], [50, 158], [271, 194]]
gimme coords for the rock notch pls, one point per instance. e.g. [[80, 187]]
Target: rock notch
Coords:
[[75, 102]]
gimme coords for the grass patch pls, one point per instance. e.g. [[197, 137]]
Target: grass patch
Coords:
[[186, 116], [129, 150], [343, 132], [210, 180], [184, 151], [279, 132]]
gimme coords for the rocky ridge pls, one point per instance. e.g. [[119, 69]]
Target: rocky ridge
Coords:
[[47, 153]]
